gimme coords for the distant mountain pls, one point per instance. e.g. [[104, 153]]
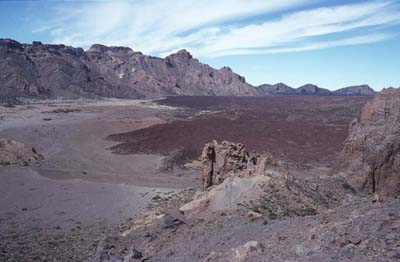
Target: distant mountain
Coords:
[[39, 70], [355, 90], [277, 89], [310, 89]]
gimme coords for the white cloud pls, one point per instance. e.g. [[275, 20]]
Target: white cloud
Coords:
[[217, 28]]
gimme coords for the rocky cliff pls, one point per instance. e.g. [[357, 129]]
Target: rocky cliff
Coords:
[[41, 70], [371, 155]]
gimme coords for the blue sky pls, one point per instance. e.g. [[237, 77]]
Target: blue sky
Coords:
[[329, 43]]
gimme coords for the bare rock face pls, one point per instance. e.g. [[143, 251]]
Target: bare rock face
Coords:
[[13, 152], [371, 155], [42, 71]]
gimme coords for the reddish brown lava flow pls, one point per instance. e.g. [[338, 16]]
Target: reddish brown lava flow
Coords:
[[306, 130]]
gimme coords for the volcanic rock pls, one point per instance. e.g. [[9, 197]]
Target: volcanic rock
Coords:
[[13, 152], [371, 155]]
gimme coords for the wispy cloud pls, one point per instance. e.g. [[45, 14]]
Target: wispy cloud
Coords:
[[225, 27], [357, 40]]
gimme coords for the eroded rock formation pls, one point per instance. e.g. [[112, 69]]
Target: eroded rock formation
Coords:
[[236, 179], [221, 161], [371, 155], [13, 152]]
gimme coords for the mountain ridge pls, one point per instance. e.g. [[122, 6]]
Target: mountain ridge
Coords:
[[312, 89], [56, 70]]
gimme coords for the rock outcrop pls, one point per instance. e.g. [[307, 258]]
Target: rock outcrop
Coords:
[[42, 70], [371, 155], [16, 153], [237, 180], [227, 159]]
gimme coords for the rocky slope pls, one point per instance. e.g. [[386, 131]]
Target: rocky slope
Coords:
[[364, 90], [41, 70], [255, 210], [371, 156]]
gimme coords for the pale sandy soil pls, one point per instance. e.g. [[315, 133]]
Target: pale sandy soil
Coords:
[[80, 181]]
